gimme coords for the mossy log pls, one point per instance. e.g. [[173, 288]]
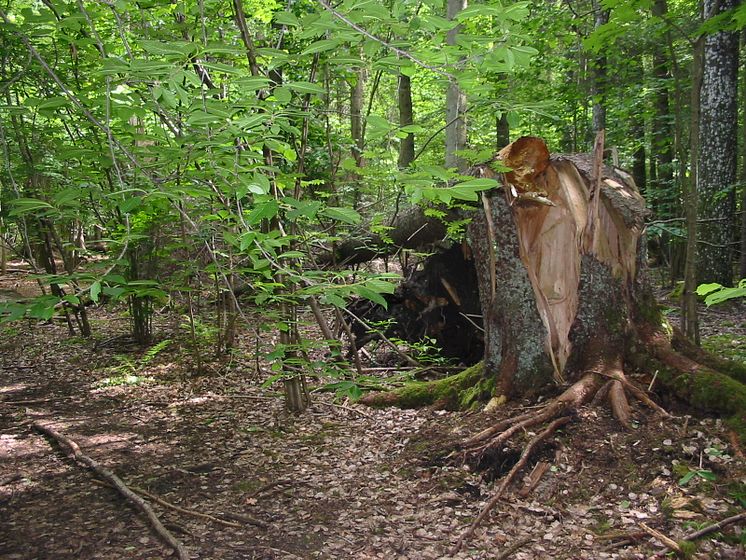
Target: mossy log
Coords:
[[455, 392]]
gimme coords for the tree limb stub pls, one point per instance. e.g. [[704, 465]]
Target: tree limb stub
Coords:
[[73, 450]]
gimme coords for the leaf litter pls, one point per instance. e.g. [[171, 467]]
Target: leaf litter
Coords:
[[336, 482]]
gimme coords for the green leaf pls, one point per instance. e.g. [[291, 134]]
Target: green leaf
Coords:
[[704, 289], [306, 87], [321, 46], [367, 293], [479, 10], [707, 475], [95, 291], [380, 286], [282, 95], [22, 206], [331, 298], [286, 18], [686, 478], [346, 215], [130, 204], [263, 211]]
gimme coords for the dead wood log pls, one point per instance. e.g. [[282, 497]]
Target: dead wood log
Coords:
[[74, 451], [412, 229]]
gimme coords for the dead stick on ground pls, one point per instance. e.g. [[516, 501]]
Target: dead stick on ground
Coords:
[[187, 511], [115, 481], [715, 527], [670, 543], [527, 452], [512, 549]]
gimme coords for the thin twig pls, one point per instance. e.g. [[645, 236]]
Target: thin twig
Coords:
[[670, 543]]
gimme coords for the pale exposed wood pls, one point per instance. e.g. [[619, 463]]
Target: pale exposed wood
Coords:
[[534, 478], [83, 459], [670, 543]]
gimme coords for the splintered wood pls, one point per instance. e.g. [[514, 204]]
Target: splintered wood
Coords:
[[577, 210]]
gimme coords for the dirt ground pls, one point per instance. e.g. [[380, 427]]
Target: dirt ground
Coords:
[[340, 481]]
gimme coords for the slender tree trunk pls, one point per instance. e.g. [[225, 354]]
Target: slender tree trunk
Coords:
[[357, 96], [662, 140], [502, 129], [598, 86], [742, 267], [455, 102], [406, 117], [689, 319], [718, 131]]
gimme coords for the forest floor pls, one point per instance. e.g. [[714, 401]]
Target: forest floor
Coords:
[[341, 481]]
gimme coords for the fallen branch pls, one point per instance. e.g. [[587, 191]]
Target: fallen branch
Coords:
[[116, 482], [188, 511], [527, 452], [512, 549], [715, 527], [670, 543]]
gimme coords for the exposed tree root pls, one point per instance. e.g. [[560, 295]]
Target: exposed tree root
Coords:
[[527, 452], [116, 482], [556, 413], [695, 382]]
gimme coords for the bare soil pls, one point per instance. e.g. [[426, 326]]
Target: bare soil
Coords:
[[341, 481]]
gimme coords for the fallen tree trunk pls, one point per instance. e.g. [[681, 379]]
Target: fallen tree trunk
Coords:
[[412, 229]]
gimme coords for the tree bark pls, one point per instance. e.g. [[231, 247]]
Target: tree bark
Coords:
[[662, 147], [406, 117], [718, 125], [455, 101], [502, 129], [742, 264], [598, 88]]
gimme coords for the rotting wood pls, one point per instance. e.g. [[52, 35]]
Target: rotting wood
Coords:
[[79, 457]]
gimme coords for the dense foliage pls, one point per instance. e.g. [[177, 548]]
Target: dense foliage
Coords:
[[230, 144]]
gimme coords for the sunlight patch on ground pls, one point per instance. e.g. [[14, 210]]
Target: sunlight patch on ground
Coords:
[[15, 387]]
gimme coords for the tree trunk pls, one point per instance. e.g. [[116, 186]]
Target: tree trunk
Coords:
[[742, 264], [502, 129], [718, 125], [564, 295], [561, 278], [662, 146], [455, 101], [598, 88], [406, 117]]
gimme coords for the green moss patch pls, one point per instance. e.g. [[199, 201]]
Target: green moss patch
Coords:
[[461, 391]]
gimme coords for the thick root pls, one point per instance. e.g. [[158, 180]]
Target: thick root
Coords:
[[525, 456], [557, 413], [687, 348], [698, 384]]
